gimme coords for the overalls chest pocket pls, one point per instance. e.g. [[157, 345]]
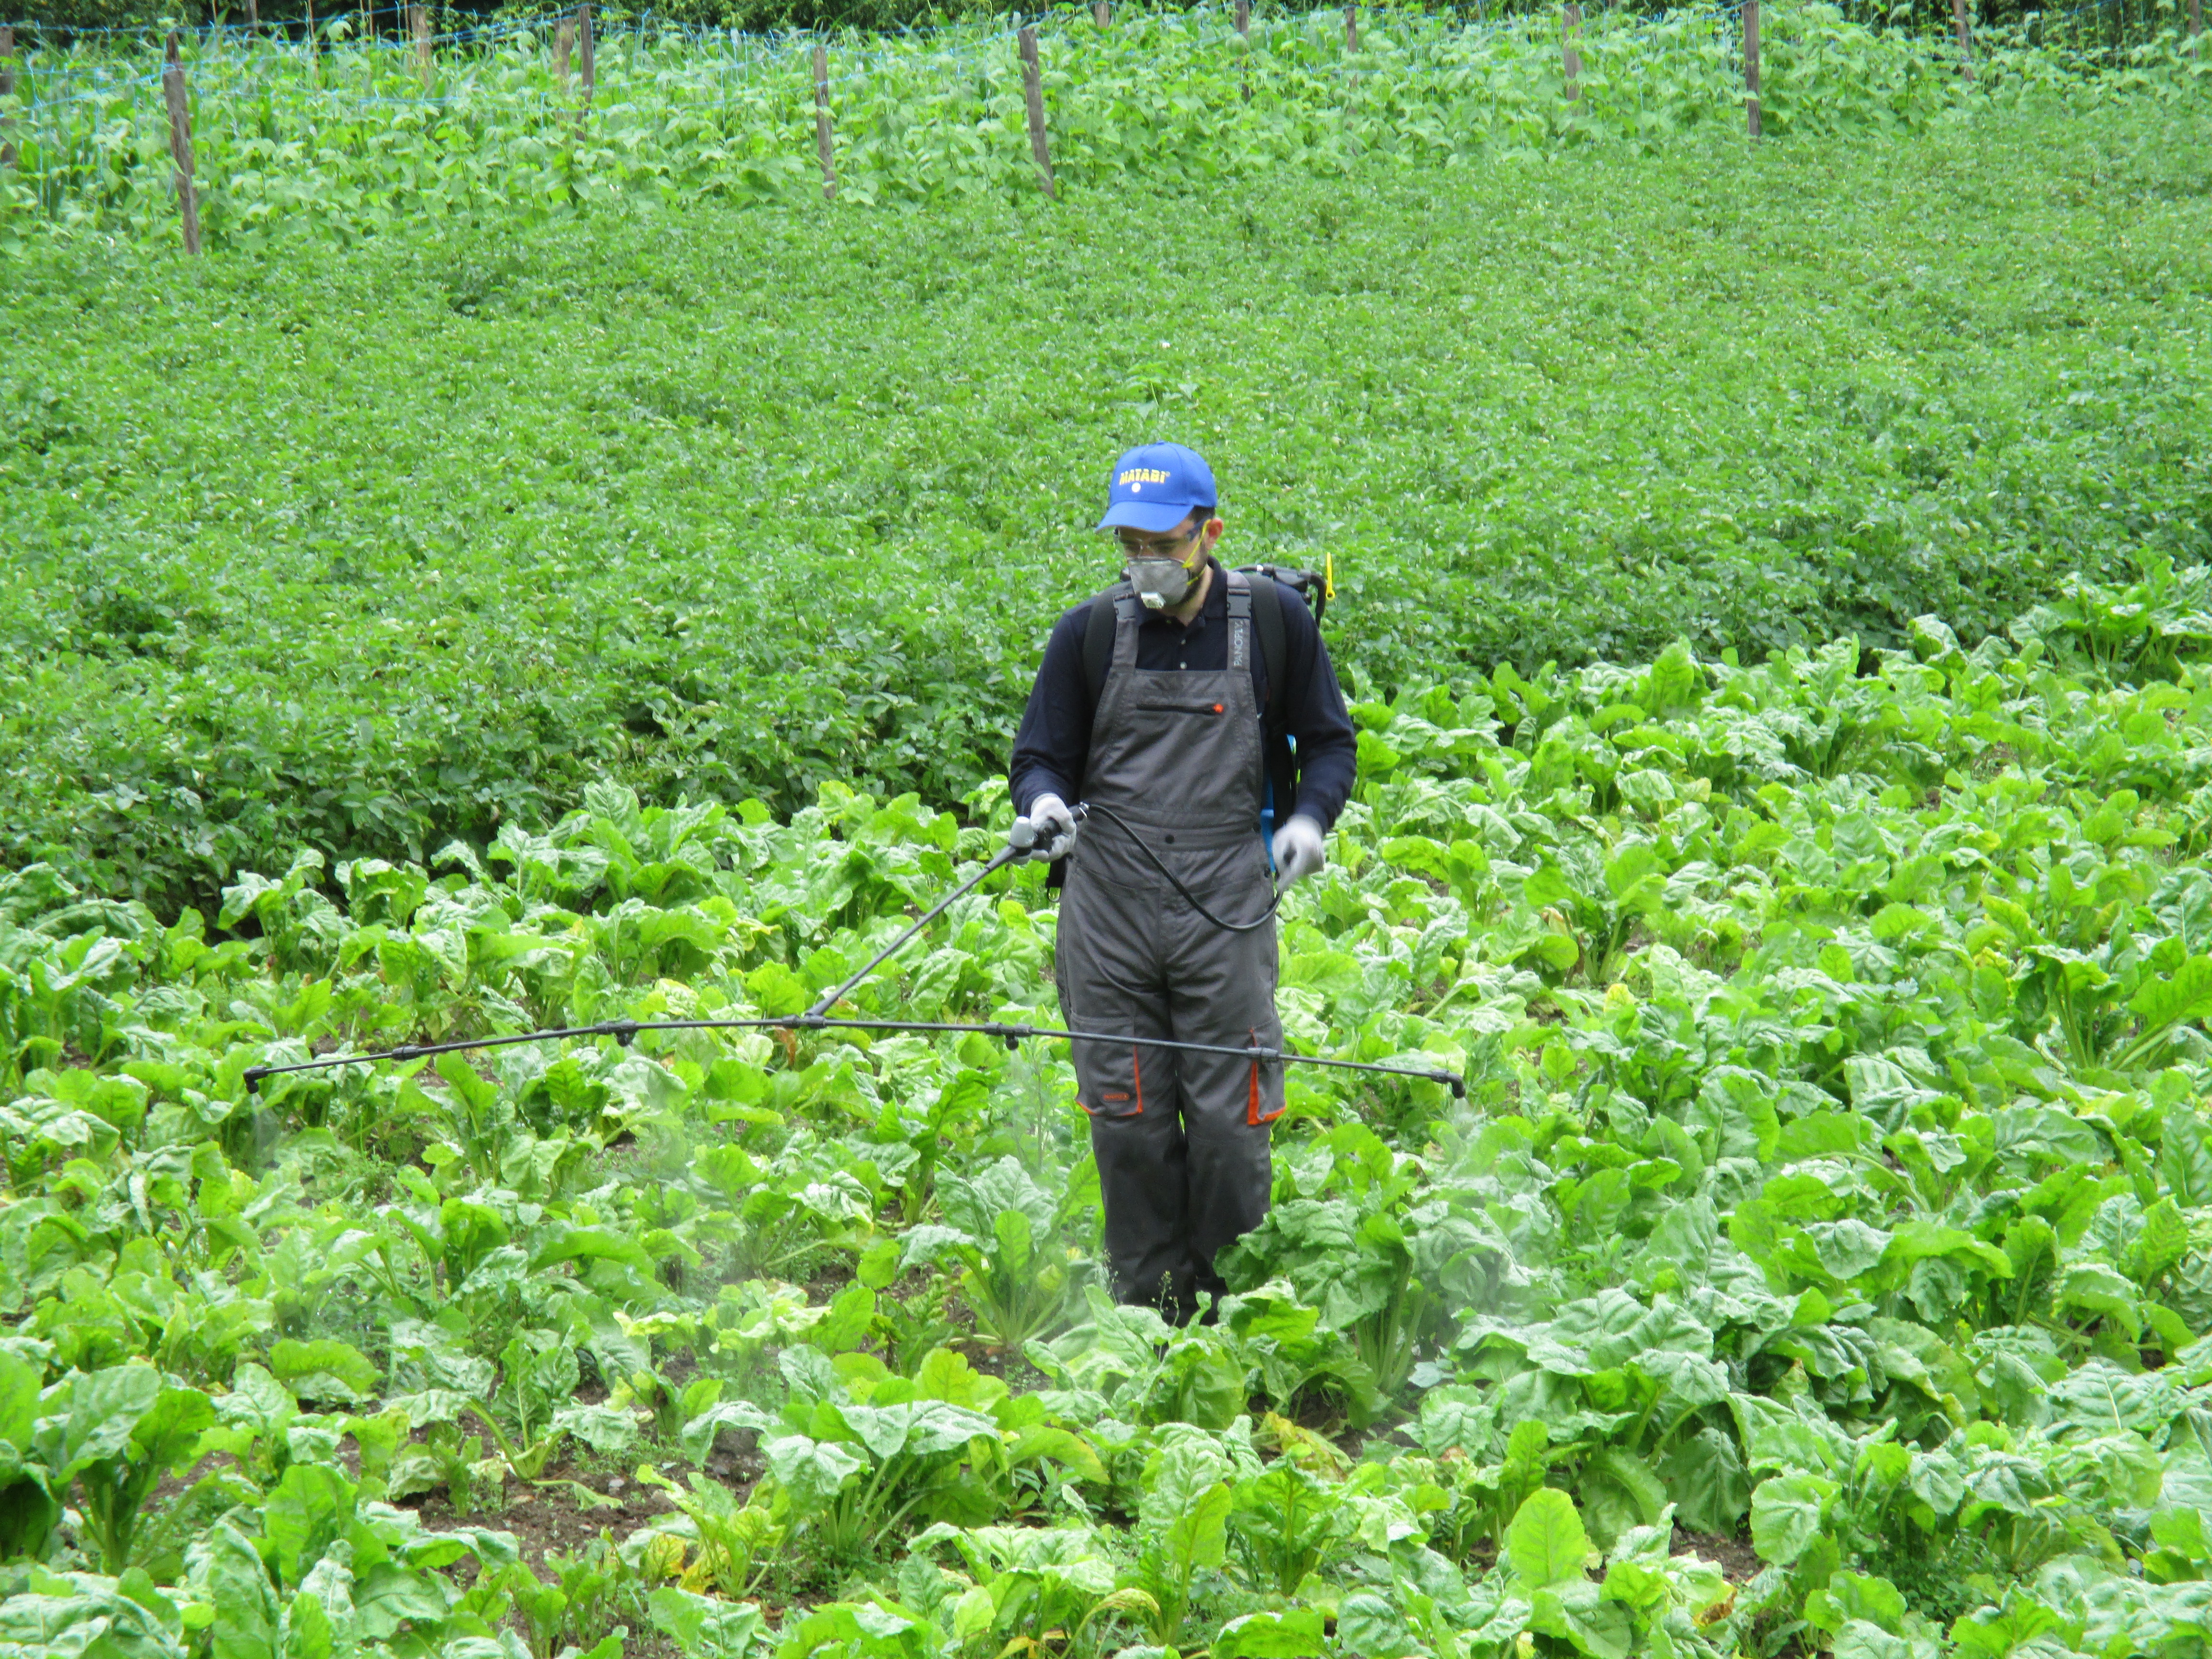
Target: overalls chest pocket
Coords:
[[1186, 706], [1176, 694]]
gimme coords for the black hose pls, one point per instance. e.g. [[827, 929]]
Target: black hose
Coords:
[[1190, 898]]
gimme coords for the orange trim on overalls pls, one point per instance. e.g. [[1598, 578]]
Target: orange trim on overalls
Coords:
[[1252, 1099]]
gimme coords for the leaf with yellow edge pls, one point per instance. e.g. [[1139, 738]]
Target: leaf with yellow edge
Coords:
[[1315, 1452]]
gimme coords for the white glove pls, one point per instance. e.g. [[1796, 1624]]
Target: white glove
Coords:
[[1051, 825], [1297, 847]]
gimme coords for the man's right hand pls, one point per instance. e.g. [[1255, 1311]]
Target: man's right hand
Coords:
[[1051, 825]]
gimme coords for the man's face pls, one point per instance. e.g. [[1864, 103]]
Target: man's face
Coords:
[[1187, 543]]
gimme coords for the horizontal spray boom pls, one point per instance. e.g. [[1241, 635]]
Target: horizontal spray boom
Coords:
[[1021, 845], [624, 1031]]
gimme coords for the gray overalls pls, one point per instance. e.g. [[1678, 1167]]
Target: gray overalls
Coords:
[[1180, 1140]]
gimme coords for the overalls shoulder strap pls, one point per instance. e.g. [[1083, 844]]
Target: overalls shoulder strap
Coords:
[[1115, 615], [1109, 632]]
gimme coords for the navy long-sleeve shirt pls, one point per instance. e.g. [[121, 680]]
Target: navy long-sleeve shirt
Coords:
[[1053, 746]]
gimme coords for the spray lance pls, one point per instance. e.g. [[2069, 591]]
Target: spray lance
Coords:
[[1021, 846]]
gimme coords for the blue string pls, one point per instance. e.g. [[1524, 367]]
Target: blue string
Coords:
[[756, 58], [647, 26]]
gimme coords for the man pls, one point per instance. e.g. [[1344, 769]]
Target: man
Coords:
[[1173, 742]]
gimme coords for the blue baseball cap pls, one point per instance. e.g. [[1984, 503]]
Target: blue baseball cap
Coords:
[[1154, 487]]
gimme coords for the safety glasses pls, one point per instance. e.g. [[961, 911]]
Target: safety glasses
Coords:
[[1157, 547]]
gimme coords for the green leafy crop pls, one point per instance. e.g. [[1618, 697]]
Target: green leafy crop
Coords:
[[1823, 1255]]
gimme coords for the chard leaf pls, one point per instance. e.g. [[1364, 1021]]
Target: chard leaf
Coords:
[[1546, 1542], [1786, 1514], [1294, 1634]]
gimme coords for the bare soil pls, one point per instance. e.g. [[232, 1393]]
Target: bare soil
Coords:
[[548, 1520], [1735, 1556]]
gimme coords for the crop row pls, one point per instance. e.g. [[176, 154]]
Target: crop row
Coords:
[[1823, 1257], [354, 137]]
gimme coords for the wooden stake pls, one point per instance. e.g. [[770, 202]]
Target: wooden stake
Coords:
[[564, 41], [1033, 87], [1245, 30], [1570, 27], [823, 146], [1751, 66], [2197, 26], [1101, 12], [7, 90], [584, 37], [9, 153], [174, 93], [253, 15], [1965, 39], [418, 24], [314, 53], [1352, 26]]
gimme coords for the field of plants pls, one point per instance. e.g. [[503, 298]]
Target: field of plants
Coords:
[[1823, 1257], [377, 547]]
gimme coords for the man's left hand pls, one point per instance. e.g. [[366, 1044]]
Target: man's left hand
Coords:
[[1297, 849]]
